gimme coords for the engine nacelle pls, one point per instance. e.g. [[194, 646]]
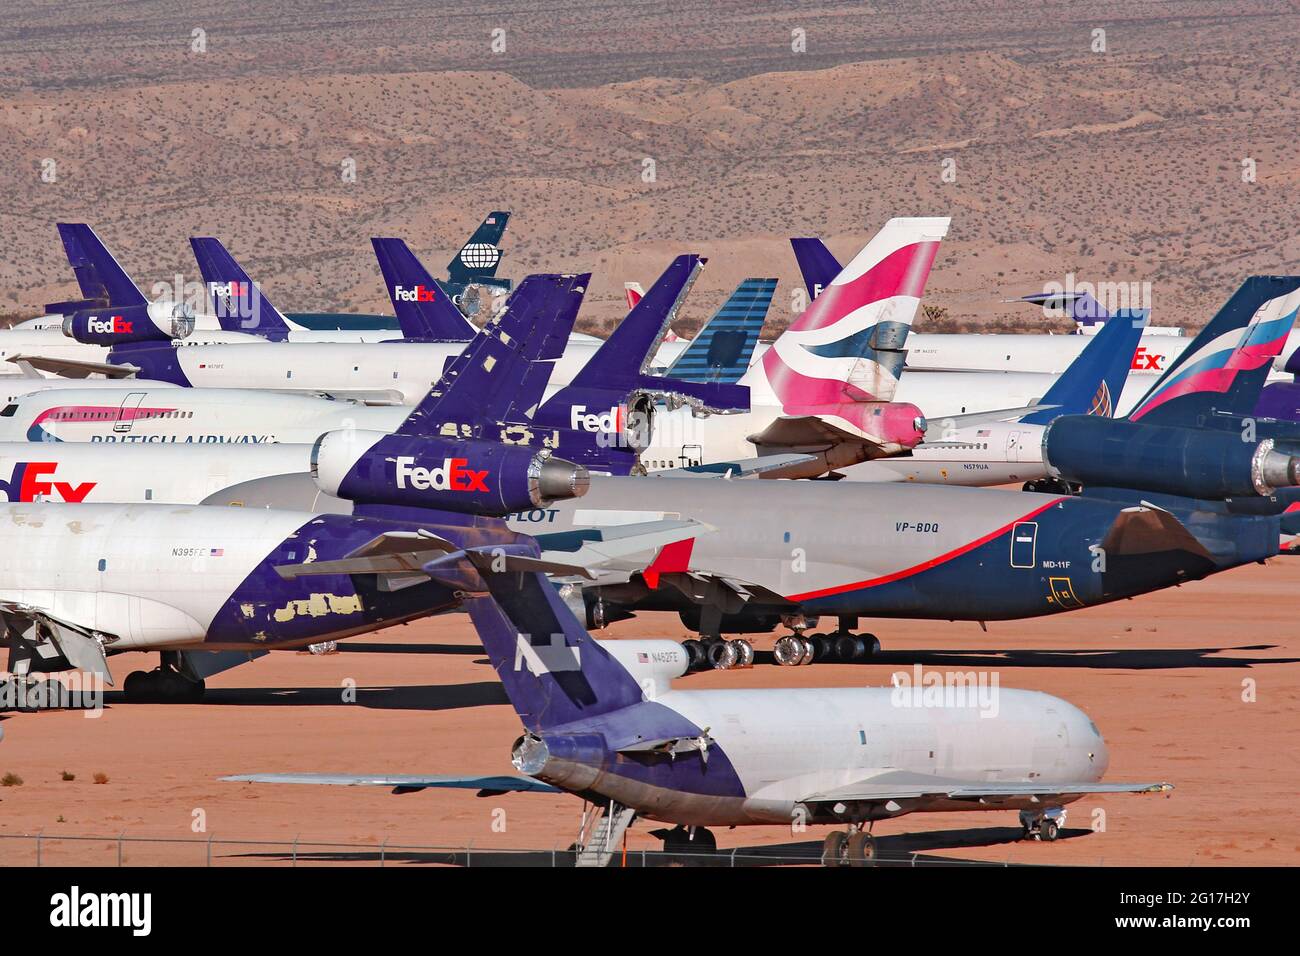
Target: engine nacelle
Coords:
[[160, 321], [464, 475], [611, 419], [1194, 462]]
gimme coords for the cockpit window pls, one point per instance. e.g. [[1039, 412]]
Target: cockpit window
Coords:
[[9, 411]]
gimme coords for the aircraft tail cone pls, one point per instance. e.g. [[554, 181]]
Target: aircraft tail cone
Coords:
[[558, 479]]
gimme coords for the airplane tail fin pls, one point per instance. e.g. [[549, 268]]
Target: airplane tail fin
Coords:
[[817, 264], [1223, 370], [102, 280], [1092, 384], [722, 350], [503, 372], [422, 307], [848, 345], [553, 671], [619, 364], [478, 259], [1078, 305], [236, 300]]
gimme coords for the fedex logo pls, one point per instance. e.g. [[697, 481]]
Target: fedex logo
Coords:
[[29, 482], [417, 293], [1144, 361], [228, 290], [452, 476], [111, 326], [607, 422]]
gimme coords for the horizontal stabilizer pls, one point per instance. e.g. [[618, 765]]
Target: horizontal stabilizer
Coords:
[[402, 782], [73, 368], [1149, 530], [992, 415]]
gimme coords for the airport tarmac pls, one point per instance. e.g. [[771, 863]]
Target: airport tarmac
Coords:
[[1163, 676]]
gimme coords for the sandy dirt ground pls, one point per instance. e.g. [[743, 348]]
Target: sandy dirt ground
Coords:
[[1164, 677]]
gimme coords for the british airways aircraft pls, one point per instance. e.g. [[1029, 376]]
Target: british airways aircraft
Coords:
[[602, 722]]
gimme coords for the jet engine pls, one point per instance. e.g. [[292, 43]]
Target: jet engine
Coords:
[[1195, 462], [464, 475], [159, 321]]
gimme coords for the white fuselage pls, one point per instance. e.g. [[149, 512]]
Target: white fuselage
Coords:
[[81, 472], [678, 438], [1046, 353], [155, 576], [185, 416]]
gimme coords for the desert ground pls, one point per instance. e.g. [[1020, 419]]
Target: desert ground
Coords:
[[1158, 150], [1165, 677]]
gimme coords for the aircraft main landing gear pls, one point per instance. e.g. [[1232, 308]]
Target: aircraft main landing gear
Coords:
[[855, 847], [718, 654], [688, 842], [163, 685], [840, 645]]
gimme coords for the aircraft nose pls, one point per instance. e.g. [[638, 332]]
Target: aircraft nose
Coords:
[[1098, 752]]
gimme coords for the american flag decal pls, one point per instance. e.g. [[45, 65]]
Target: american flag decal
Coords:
[[217, 552], [642, 658]]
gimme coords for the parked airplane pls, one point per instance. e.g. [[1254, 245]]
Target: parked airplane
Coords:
[[79, 584], [995, 453], [224, 416], [399, 372], [476, 264], [1178, 506], [616, 733], [999, 352]]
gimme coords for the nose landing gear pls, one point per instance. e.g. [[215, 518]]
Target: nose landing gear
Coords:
[[1045, 825]]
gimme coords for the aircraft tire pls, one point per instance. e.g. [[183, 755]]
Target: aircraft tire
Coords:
[[861, 850], [833, 848], [787, 651], [850, 647], [1048, 831]]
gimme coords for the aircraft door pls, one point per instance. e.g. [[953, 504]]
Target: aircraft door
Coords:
[[126, 414], [1024, 540], [691, 455], [1013, 445]]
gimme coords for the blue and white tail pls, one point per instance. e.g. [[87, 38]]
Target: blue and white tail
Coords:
[[1223, 371], [722, 350], [478, 259], [1092, 383]]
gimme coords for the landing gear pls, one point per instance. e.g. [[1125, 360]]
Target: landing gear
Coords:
[[794, 650], [1045, 826], [1051, 486], [164, 685], [718, 654], [856, 847]]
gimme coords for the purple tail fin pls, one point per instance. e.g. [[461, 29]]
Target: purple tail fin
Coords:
[[503, 372], [553, 671], [1080, 306], [422, 307], [817, 264], [101, 279], [236, 300]]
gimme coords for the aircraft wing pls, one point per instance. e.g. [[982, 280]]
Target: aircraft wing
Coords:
[[74, 368], [406, 783], [898, 785], [40, 642], [618, 550]]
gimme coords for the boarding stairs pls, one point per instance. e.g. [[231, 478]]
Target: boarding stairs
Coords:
[[601, 838]]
